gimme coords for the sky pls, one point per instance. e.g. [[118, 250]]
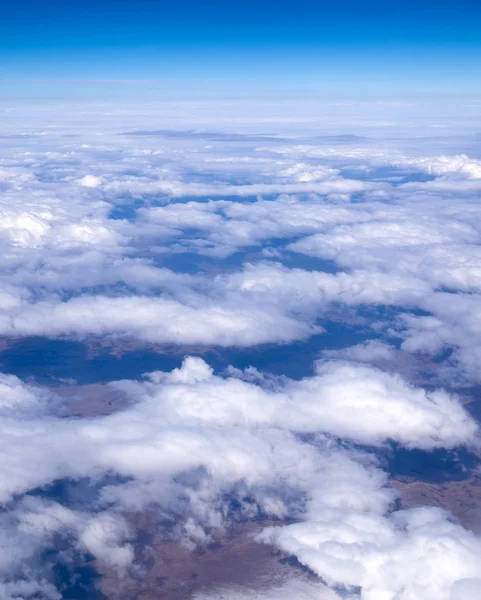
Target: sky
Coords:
[[397, 48]]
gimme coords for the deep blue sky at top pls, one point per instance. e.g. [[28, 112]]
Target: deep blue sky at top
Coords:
[[390, 44]]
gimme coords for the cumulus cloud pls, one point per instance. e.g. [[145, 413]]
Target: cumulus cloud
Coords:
[[157, 320], [387, 558], [90, 181], [338, 398], [371, 351], [459, 165]]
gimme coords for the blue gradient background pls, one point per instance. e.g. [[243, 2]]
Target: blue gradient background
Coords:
[[348, 47]]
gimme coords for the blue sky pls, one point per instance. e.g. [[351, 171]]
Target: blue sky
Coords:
[[389, 47]]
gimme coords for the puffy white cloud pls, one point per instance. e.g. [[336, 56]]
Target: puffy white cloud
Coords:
[[413, 554], [370, 351], [17, 398], [104, 537], [157, 320], [348, 400], [302, 289], [90, 181], [459, 165]]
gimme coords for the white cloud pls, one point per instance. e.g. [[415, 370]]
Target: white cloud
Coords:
[[370, 351], [348, 400], [90, 181], [157, 320], [414, 554], [459, 165]]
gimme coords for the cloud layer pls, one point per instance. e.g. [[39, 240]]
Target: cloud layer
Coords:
[[191, 438], [201, 237]]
